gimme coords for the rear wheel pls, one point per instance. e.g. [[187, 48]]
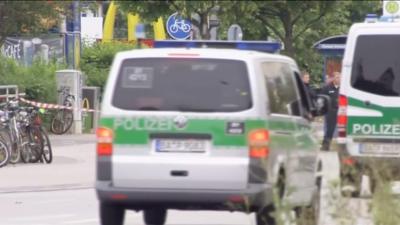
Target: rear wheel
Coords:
[[265, 216], [111, 214], [62, 121], [155, 216]]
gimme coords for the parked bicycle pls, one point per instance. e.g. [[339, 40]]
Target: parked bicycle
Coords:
[[36, 123], [23, 134], [63, 118]]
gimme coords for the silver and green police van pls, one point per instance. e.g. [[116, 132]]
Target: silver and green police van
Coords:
[[369, 104], [205, 129]]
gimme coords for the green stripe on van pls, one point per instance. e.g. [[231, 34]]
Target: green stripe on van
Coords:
[[386, 125], [137, 130]]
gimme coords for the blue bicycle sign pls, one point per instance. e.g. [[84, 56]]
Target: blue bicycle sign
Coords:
[[178, 28]]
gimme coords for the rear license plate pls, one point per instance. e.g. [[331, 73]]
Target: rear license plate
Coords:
[[178, 145], [380, 149]]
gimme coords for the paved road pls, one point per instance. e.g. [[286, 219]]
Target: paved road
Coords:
[[62, 193]]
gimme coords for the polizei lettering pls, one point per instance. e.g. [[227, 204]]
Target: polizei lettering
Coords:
[[150, 124], [380, 129]]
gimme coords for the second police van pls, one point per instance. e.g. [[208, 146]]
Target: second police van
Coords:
[[214, 129], [369, 104]]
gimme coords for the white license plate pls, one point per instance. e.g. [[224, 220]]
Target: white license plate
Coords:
[[178, 145], [382, 149]]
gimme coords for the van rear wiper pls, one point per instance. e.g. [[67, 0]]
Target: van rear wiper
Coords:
[[186, 108], [149, 108]]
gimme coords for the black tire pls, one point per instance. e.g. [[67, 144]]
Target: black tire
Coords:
[[4, 153], [156, 216], [14, 156], [265, 216], [15, 151], [47, 151], [62, 121], [111, 214], [33, 152]]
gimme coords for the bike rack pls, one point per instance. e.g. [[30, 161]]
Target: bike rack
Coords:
[[9, 91]]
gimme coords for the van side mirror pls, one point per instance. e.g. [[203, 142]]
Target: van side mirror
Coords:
[[322, 105]]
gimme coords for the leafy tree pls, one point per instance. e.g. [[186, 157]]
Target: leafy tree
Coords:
[[22, 17]]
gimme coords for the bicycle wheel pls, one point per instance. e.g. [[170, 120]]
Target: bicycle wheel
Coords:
[[47, 151], [62, 121], [32, 145], [4, 154], [12, 145]]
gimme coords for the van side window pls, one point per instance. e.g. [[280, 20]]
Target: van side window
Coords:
[[281, 88]]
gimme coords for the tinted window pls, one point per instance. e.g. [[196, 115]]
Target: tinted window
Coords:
[[199, 85], [281, 89], [376, 64]]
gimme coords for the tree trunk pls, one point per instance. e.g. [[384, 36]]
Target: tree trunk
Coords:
[[205, 32], [286, 19]]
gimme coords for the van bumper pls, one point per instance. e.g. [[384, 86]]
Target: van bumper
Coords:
[[253, 198]]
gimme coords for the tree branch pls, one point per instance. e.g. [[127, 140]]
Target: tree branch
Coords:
[[310, 23], [269, 25], [174, 5]]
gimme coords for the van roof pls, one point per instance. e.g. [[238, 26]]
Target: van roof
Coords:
[[378, 24], [219, 53]]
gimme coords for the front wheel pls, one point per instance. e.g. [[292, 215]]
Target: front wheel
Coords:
[[111, 214], [32, 147], [47, 151], [4, 154], [62, 121], [155, 216]]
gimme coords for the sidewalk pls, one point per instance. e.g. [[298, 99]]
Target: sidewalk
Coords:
[[73, 166]]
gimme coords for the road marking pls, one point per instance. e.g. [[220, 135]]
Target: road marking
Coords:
[[81, 221], [45, 217]]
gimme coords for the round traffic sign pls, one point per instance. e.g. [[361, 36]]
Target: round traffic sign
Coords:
[[392, 7], [178, 28]]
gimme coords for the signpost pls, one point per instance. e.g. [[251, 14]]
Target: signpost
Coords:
[[178, 28], [235, 33]]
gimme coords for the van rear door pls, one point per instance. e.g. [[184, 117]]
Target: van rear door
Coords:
[[373, 96]]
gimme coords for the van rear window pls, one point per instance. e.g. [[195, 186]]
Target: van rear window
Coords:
[[376, 65], [189, 85]]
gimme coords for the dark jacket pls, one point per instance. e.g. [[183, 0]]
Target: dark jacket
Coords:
[[333, 92]]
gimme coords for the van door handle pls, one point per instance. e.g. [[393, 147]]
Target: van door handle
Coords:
[[179, 173], [367, 103]]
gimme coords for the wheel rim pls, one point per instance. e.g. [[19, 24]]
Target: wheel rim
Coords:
[[4, 155]]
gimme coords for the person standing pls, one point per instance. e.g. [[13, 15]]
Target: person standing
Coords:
[[305, 76], [331, 90]]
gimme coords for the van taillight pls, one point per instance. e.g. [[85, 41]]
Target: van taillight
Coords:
[[258, 143], [104, 141], [342, 116]]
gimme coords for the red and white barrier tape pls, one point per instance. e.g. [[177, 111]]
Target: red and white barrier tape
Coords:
[[52, 106]]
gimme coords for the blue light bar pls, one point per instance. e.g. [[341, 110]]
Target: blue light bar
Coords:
[[263, 46]]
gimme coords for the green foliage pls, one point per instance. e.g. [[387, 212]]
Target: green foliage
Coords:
[[27, 17], [37, 81], [97, 59]]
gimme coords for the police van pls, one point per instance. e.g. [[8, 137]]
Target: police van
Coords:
[[369, 104], [205, 129]]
